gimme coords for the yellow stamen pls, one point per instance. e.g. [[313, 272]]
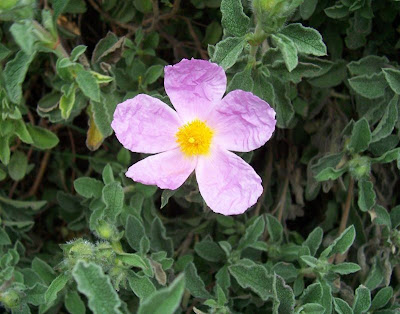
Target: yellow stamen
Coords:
[[194, 138]]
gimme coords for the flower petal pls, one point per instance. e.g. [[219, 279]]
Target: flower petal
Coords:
[[242, 121], [167, 170], [145, 124], [194, 86], [227, 183]]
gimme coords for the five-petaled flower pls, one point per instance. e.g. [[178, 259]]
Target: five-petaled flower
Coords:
[[199, 136]]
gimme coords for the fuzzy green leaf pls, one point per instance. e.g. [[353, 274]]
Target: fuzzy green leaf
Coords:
[[254, 277], [288, 50], [97, 287], [228, 51], [166, 300], [307, 40], [366, 195], [362, 300], [234, 21]]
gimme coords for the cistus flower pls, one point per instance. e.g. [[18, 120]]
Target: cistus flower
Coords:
[[199, 136]]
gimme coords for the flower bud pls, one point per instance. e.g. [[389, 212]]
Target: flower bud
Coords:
[[10, 298], [105, 230], [105, 255], [272, 14], [360, 167], [78, 250]]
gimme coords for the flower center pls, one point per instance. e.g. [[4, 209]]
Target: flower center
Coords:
[[194, 138]]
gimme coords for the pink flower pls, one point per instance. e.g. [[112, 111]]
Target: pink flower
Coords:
[[199, 135]]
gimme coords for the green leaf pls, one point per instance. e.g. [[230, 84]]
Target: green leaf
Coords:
[[331, 78], [194, 283], [337, 11], [97, 288], [4, 238], [165, 196], [382, 298], [234, 21], [388, 121], [395, 216], [24, 36], [107, 174], [144, 6], [360, 136], [286, 270], [88, 85], [254, 277], [77, 52], [134, 232], [242, 80], [22, 132], [227, 51], [43, 270], [213, 33], [253, 232], [67, 100], [345, 268], [312, 294], [14, 75], [326, 299], [282, 103], [342, 243], [307, 40], [133, 260], [342, 307], [166, 300], [141, 285], [362, 300], [366, 195], [113, 197], [274, 227], [367, 65], [35, 295], [5, 152], [392, 76], [35, 205], [88, 187], [369, 86], [382, 216], [159, 239], [330, 174], [288, 50], [59, 6], [389, 156], [309, 260], [314, 240], [153, 73], [55, 287], [4, 52], [18, 166], [307, 8], [209, 250], [103, 113], [42, 138], [73, 303], [284, 300]]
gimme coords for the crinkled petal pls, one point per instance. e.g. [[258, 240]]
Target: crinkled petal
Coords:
[[194, 87], [167, 170], [145, 124], [227, 183], [242, 121]]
